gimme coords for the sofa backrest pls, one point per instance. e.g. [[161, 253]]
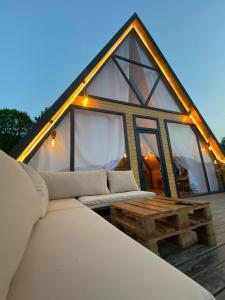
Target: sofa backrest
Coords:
[[75, 184], [19, 210]]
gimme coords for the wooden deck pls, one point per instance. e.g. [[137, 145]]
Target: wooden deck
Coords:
[[204, 264]]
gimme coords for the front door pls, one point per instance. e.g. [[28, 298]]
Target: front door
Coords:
[[152, 169]]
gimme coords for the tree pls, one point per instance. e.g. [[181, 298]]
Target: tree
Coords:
[[14, 125], [41, 114], [223, 144]]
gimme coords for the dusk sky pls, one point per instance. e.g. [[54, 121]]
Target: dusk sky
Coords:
[[45, 44]]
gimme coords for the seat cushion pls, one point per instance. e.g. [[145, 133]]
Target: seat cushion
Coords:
[[74, 184], [40, 187], [122, 181], [63, 204], [106, 200], [19, 210], [75, 254]]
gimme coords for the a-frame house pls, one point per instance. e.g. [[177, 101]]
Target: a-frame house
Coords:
[[128, 109]]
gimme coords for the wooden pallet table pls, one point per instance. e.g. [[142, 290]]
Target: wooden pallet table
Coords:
[[152, 220]]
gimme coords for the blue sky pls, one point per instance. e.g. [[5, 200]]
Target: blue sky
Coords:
[[45, 44]]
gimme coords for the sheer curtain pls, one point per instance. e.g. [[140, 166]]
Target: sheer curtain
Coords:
[[131, 49], [186, 154], [210, 168], [99, 140], [48, 158], [110, 83], [149, 144], [162, 98]]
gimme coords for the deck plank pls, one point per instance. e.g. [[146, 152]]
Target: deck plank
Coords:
[[204, 264]]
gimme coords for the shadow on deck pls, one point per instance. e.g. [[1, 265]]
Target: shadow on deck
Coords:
[[204, 264]]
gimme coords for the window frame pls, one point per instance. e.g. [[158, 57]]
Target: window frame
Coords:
[[70, 110], [161, 76], [198, 137]]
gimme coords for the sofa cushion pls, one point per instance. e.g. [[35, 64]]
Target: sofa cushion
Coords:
[[106, 200], [74, 184], [122, 181], [40, 187], [76, 254], [62, 204], [19, 210]]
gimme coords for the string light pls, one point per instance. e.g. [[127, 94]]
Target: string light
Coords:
[[85, 101]]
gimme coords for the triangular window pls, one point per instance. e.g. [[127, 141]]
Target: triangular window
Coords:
[[162, 98], [109, 83], [142, 79], [132, 50]]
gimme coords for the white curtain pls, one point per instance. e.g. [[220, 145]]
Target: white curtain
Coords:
[[110, 83], [149, 144], [162, 98], [186, 154], [56, 158], [210, 168], [142, 78], [99, 140], [131, 49]]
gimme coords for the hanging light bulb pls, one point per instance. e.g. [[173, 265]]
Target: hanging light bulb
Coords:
[[125, 155], [53, 136]]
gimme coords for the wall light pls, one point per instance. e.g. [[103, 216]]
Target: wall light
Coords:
[[53, 136]]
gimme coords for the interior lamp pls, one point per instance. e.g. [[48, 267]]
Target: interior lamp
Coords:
[[125, 155], [53, 136]]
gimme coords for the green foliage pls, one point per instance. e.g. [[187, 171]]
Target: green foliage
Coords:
[[14, 125], [41, 114], [223, 144]]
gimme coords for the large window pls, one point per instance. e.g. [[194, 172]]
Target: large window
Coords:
[[196, 169], [132, 76], [211, 168], [97, 140], [187, 160]]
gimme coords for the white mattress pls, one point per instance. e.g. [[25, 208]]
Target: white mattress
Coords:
[[74, 254]]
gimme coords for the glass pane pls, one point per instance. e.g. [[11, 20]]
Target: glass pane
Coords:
[[147, 123], [151, 163], [57, 158], [131, 49], [142, 79], [163, 99], [187, 161], [110, 83], [210, 168], [99, 141]]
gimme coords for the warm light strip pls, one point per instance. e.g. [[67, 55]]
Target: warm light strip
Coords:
[[73, 96]]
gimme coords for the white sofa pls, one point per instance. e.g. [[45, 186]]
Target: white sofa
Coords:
[[96, 189], [64, 250]]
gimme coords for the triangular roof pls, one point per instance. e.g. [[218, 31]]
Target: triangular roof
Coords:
[[50, 117]]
